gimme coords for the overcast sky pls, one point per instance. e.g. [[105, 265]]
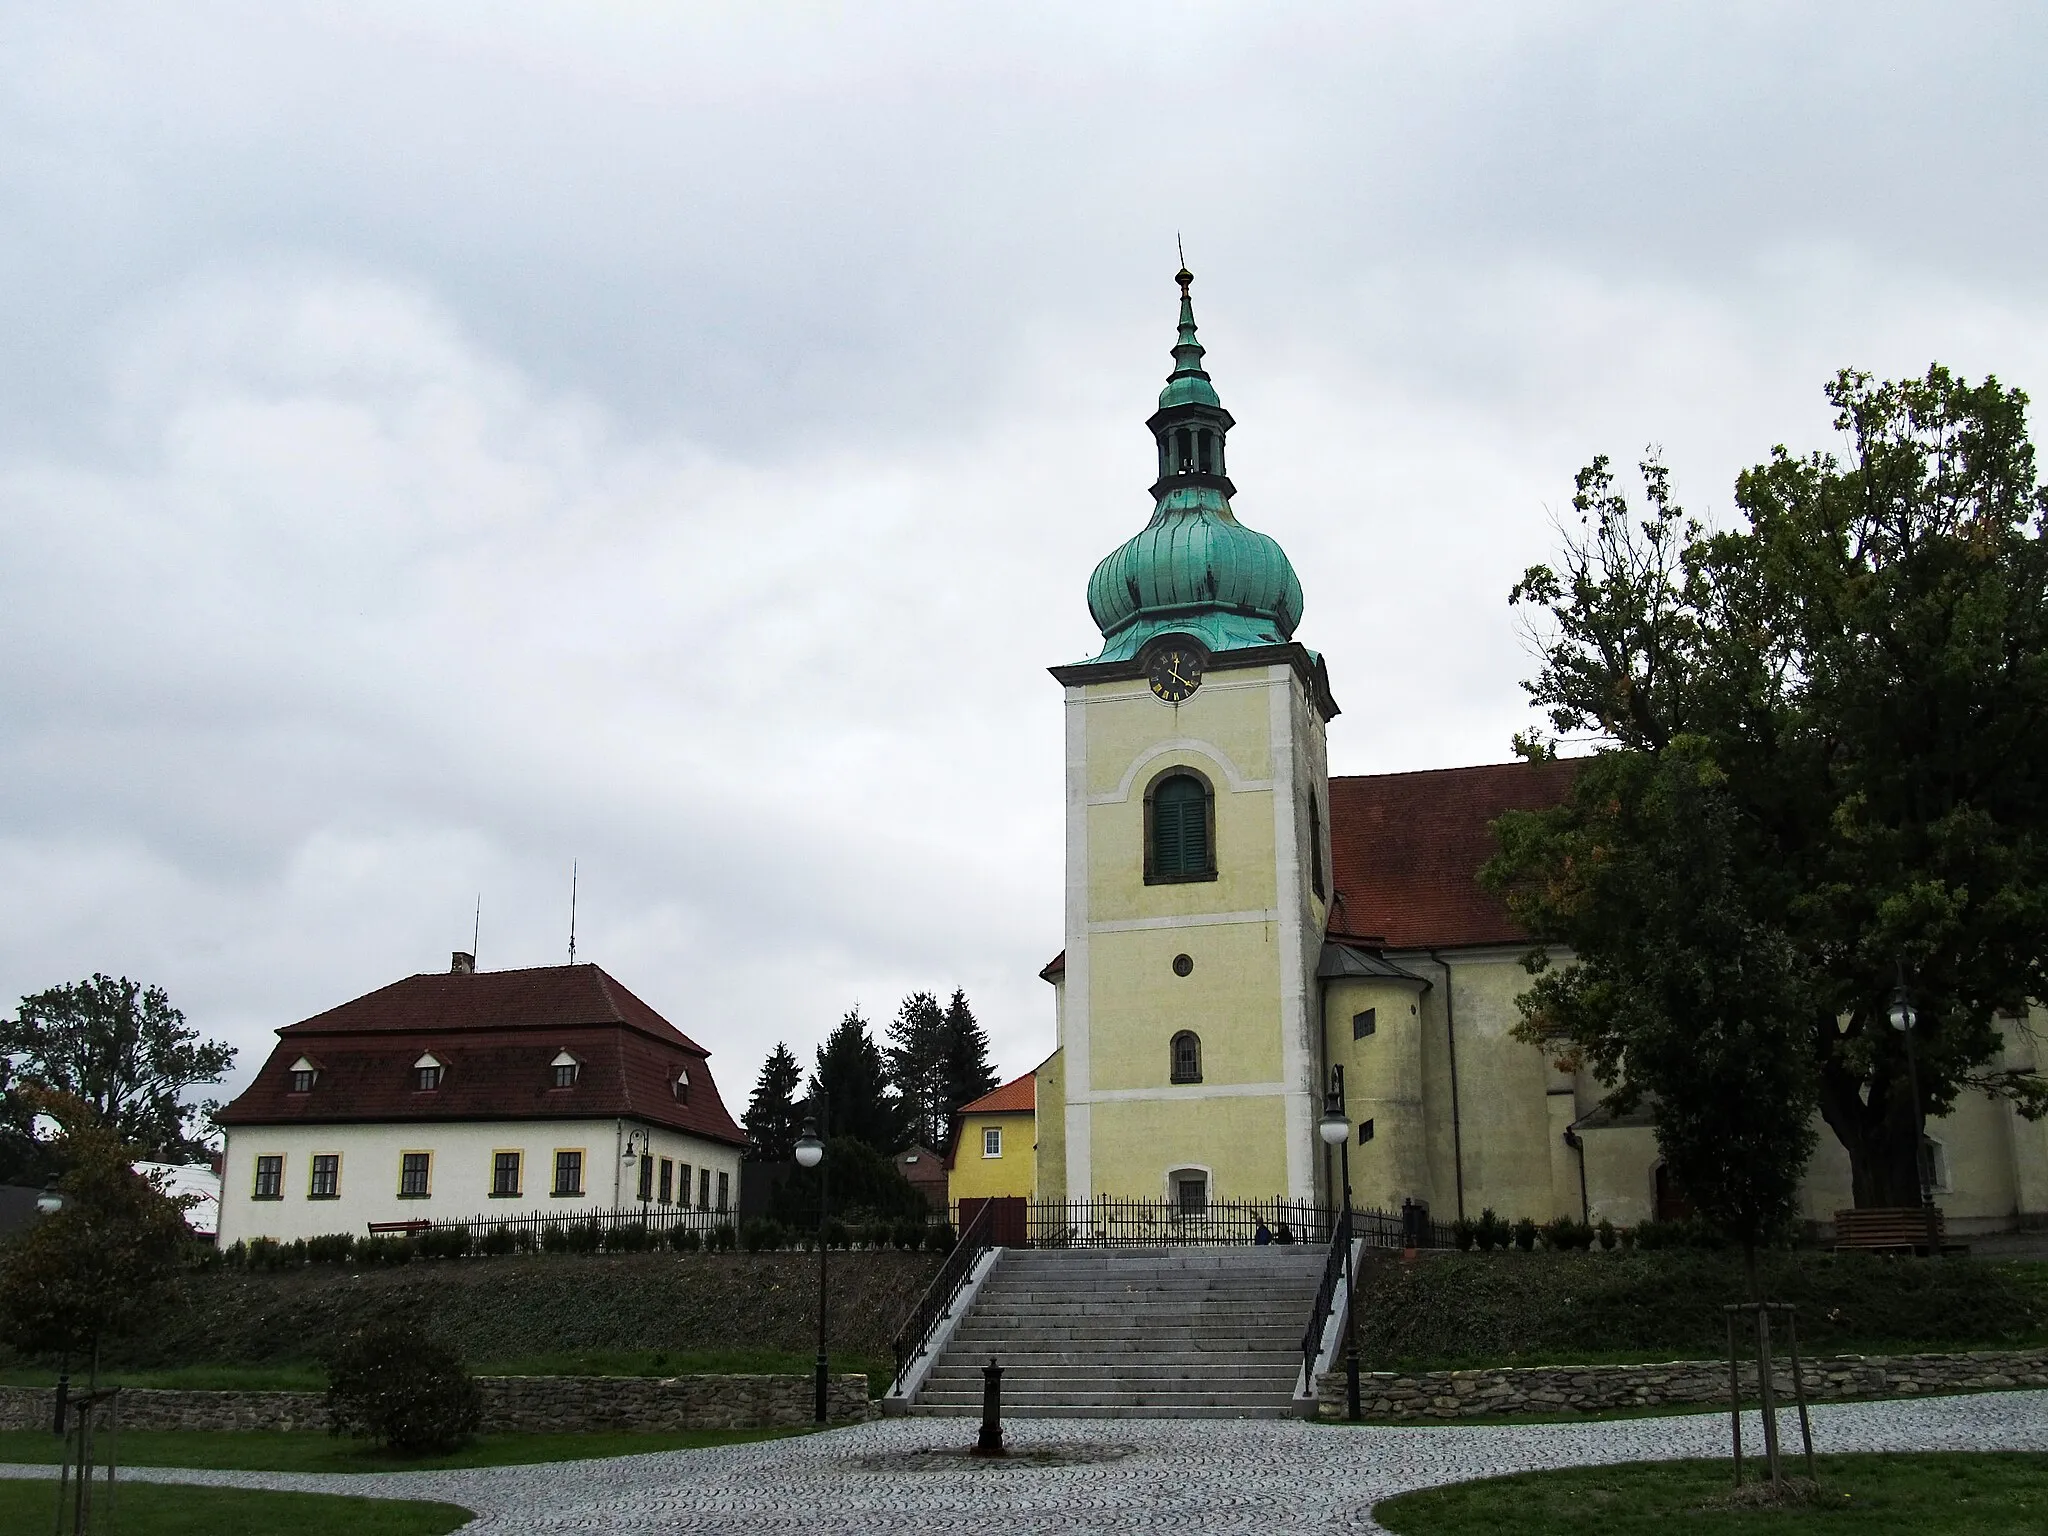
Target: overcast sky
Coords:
[[439, 443]]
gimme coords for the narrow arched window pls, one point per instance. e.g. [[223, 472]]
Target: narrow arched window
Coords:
[[1202, 450], [1178, 837], [1183, 451], [1315, 846], [1187, 1057]]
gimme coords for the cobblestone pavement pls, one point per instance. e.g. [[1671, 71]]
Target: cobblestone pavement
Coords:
[[1125, 1476]]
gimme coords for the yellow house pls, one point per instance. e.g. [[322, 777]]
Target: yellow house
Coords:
[[993, 1152], [1240, 925]]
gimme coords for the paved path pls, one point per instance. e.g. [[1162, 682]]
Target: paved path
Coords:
[[1093, 1475]]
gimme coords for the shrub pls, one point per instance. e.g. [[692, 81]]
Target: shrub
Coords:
[[909, 1236], [723, 1237], [554, 1238], [757, 1235], [501, 1239], [1491, 1231], [837, 1234], [1606, 1235], [1464, 1233], [332, 1248], [684, 1240], [940, 1237], [584, 1236], [384, 1250], [1628, 1239], [443, 1242], [1525, 1234], [632, 1237], [394, 1385]]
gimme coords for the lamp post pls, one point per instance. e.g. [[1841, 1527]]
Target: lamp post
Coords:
[[810, 1153], [1904, 1018], [1335, 1129], [638, 1145], [49, 1203]]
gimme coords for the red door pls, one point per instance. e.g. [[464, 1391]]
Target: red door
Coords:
[[1006, 1226]]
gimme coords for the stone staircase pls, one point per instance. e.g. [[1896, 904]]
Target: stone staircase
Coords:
[[1133, 1333]]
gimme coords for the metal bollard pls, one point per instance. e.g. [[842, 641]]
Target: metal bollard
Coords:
[[991, 1441]]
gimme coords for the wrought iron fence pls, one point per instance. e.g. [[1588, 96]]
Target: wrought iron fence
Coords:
[[938, 1296], [1333, 1277], [1105, 1221]]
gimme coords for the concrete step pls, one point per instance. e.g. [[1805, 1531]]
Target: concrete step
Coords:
[[1146, 1411]]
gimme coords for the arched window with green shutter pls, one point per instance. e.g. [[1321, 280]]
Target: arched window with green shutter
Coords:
[[1179, 833]]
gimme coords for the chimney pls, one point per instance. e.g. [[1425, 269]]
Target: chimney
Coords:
[[462, 963]]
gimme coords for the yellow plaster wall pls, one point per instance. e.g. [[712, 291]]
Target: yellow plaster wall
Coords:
[[974, 1177], [1619, 1183], [1231, 1000], [1050, 1155], [1240, 1142], [1383, 1082], [1125, 722]]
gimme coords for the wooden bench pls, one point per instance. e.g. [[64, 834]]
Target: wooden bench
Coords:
[[1891, 1229], [399, 1228]]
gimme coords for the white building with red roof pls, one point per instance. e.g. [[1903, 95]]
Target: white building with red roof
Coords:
[[479, 1096]]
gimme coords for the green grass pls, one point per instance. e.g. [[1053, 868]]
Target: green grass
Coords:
[[310, 1376], [1930, 1495], [314, 1451], [146, 1509]]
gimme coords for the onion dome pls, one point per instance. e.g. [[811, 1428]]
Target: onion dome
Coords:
[[1195, 569]]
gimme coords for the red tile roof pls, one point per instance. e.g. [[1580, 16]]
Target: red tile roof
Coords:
[[1406, 849], [496, 1034], [1018, 1096]]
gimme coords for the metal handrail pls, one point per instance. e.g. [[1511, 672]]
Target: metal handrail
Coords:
[[1319, 1314], [938, 1296]]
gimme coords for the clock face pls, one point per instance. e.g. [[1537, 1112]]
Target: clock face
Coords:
[[1175, 672]]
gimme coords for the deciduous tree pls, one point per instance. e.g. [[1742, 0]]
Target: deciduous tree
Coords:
[[1862, 670], [121, 1049]]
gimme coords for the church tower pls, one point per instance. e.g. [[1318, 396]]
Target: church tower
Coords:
[[1197, 855]]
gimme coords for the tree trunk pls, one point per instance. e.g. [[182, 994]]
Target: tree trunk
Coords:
[[1880, 1134]]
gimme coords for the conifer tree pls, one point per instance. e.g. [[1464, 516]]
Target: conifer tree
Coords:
[[773, 1115], [917, 1067], [967, 1073], [855, 1079]]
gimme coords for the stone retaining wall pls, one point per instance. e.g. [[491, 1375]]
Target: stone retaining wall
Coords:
[[511, 1404], [1594, 1388]]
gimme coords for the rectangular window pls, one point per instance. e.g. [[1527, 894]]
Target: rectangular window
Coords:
[[302, 1080], [724, 1191], [505, 1175], [326, 1183], [704, 1189], [269, 1178], [412, 1174], [683, 1186], [992, 1141], [668, 1181], [1364, 1132], [1366, 1023], [1194, 1195], [429, 1078], [646, 1177], [568, 1172], [565, 1076]]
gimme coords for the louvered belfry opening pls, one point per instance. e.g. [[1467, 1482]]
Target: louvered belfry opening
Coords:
[[1180, 831]]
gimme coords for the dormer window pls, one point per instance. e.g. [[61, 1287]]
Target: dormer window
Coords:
[[565, 1068], [426, 1073], [682, 1085], [303, 1075]]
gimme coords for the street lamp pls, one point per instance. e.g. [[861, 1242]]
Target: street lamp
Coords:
[[640, 1146], [50, 1201], [1335, 1129], [810, 1153], [1904, 1018]]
